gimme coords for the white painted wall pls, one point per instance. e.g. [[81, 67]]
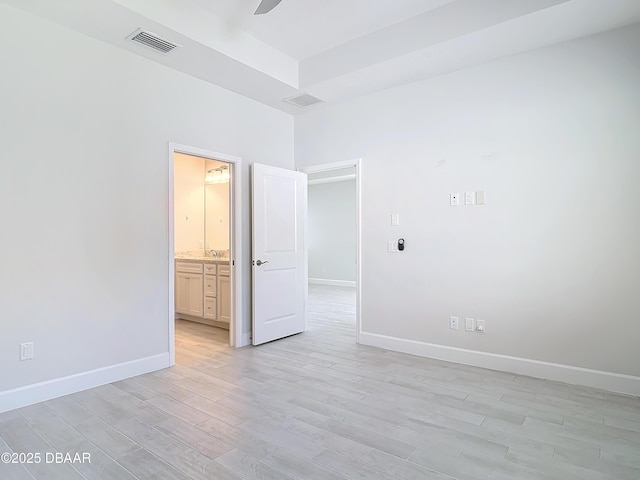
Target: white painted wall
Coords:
[[332, 231], [188, 202], [551, 262], [84, 197]]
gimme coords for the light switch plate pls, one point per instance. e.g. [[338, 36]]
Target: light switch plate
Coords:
[[469, 324], [481, 197], [469, 198], [395, 219], [392, 246]]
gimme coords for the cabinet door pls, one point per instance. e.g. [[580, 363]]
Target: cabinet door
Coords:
[[195, 295], [182, 292], [224, 299]]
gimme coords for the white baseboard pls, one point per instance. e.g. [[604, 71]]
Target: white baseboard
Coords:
[[333, 283], [612, 382], [40, 392]]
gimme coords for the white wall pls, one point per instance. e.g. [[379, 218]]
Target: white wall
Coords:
[[188, 202], [551, 262], [332, 231], [84, 199]]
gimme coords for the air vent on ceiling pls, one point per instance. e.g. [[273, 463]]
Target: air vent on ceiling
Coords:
[[304, 100], [151, 40]]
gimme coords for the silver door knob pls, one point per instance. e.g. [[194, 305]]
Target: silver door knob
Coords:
[[260, 262]]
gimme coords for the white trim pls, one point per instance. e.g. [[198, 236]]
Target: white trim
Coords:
[[40, 392], [236, 336], [612, 382], [357, 163], [334, 283], [305, 249], [341, 178], [171, 308], [325, 167]]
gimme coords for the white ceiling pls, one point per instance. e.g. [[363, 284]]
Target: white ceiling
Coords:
[[333, 49], [302, 28]]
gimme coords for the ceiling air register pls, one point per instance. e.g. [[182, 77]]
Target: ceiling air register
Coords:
[[152, 40]]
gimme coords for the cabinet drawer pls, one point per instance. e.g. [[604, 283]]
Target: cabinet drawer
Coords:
[[210, 308], [210, 268], [188, 267], [210, 285], [224, 269]]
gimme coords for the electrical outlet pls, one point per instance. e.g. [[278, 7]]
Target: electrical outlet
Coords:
[[453, 323], [480, 326], [26, 351], [469, 324], [454, 199], [392, 246]]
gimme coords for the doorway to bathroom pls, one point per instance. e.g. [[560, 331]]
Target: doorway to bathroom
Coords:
[[204, 281]]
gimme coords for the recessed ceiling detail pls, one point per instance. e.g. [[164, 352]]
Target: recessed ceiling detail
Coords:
[[336, 49], [152, 40]]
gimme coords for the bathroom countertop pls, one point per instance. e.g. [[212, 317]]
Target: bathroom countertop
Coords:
[[193, 258]]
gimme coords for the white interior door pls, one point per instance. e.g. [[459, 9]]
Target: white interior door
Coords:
[[278, 219]]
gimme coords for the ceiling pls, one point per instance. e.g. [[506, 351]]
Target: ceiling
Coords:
[[303, 28], [333, 49]]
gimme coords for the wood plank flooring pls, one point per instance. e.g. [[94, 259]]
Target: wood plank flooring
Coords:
[[318, 406]]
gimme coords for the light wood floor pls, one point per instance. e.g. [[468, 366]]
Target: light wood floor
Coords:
[[318, 406]]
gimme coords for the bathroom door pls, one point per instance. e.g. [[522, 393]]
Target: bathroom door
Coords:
[[278, 220]]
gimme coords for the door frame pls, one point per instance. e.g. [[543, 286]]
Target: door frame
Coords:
[[235, 241], [325, 167]]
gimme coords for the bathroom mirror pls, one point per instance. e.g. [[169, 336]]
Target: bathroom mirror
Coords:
[[216, 206]]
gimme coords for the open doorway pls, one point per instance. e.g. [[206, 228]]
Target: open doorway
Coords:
[[333, 245], [204, 255]]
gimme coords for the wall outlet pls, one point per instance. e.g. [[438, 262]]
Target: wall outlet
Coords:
[[469, 324], [392, 246], [453, 323], [480, 326], [26, 351], [454, 199]]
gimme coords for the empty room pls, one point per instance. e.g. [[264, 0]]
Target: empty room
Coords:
[[319, 239]]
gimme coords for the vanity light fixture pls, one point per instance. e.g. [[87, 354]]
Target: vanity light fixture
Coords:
[[217, 175]]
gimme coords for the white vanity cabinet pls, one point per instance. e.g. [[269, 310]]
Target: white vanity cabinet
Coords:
[[224, 293], [203, 291], [189, 281]]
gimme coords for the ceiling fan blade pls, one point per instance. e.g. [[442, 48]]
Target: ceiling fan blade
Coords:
[[266, 6]]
